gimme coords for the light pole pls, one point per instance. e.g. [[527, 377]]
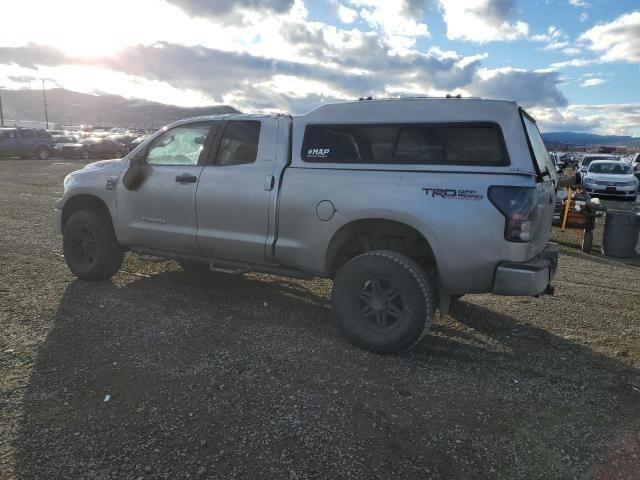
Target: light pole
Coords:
[[44, 99], [1, 112]]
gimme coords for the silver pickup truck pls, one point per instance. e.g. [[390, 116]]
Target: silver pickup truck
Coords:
[[406, 204]]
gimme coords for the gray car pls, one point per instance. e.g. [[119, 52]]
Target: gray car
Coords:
[[25, 143], [405, 204]]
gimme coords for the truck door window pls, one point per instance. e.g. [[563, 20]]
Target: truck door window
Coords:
[[27, 134], [179, 146], [239, 144]]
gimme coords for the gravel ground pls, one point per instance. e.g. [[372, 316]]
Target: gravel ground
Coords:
[[157, 375]]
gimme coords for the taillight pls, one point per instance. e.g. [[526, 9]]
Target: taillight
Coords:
[[519, 205]]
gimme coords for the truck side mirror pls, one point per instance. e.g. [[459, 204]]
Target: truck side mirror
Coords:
[[135, 174]]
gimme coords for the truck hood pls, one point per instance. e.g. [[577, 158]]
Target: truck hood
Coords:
[[104, 164]]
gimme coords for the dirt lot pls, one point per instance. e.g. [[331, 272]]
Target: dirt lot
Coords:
[[250, 377]]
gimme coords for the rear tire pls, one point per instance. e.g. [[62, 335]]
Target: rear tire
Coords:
[[384, 301], [90, 247]]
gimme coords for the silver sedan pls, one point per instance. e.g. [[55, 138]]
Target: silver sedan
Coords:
[[605, 177]]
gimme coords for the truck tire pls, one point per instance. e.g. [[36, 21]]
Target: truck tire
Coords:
[[384, 301], [90, 247], [41, 153]]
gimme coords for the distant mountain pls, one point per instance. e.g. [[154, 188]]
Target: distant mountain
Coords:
[[67, 107], [575, 138]]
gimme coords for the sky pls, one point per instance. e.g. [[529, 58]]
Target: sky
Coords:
[[573, 64]]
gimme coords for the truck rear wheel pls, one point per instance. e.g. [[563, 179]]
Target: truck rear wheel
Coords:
[[90, 247], [384, 301]]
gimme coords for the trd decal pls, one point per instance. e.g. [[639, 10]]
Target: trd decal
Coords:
[[453, 194]]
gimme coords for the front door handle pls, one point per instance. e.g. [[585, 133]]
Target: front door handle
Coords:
[[186, 178]]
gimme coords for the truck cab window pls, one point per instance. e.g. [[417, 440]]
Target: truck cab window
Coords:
[[179, 146], [239, 144]]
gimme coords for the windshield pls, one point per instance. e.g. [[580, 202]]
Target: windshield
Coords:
[[587, 161], [610, 168], [542, 158]]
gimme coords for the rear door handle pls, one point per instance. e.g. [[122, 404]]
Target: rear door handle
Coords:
[[186, 178], [269, 182]]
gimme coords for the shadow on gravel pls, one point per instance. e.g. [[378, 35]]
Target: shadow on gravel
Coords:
[[171, 378], [596, 256]]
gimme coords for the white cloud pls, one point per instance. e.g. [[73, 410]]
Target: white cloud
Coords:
[[579, 3], [274, 60], [552, 33], [593, 82], [584, 16], [539, 88], [617, 118], [482, 20], [572, 51], [576, 62], [607, 119], [563, 119], [345, 14], [556, 45], [618, 40], [395, 20]]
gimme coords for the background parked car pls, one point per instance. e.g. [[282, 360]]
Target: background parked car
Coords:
[[635, 164], [124, 139], [134, 143], [25, 142], [612, 178], [585, 161], [60, 142], [94, 148]]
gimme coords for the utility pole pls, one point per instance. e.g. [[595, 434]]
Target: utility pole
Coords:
[[44, 99], [1, 113]]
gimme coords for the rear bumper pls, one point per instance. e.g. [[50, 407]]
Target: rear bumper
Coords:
[[529, 278]]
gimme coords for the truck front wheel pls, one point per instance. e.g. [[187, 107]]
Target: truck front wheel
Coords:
[[90, 247], [384, 301]]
